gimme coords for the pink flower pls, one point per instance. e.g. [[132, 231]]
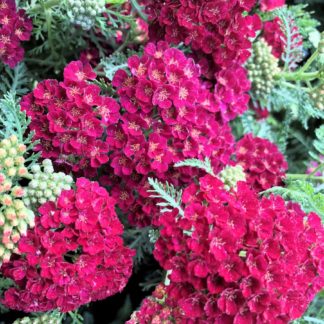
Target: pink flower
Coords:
[[268, 5], [65, 258], [254, 268], [264, 164], [78, 72]]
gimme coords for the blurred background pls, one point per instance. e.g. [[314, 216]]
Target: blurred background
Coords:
[[317, 6]]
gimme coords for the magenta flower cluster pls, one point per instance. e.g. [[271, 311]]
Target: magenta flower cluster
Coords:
[[236, 258], [219, 36], [73, 256], [70, 117], [15, 27], [264, 164], [168, 117]]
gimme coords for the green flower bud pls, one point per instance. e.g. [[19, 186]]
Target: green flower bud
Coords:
[[317, 96], [35, 168], [230, 175], [84, 12], [262, 67]]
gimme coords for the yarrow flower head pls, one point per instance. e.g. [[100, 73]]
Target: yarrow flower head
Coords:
[[262, 162], [168, 117], [69, 118], [219, 35], [236, 258], [15, 28], [73, 256], [15, 216]]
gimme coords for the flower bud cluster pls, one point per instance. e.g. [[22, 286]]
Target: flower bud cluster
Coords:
[[15, 217], [317, 96], [262, 67], [47, 318], [84, 12], [45, 184], [230, 175]]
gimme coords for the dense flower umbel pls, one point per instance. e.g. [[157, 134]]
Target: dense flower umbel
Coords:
[[219, 36], [45, 185], [74, 254], [168, 117], [236, 258], [263, 163], [216, 27], [70, 117], [15, 27], [15, 217]]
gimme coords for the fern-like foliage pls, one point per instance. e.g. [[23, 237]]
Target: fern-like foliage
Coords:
[[16, 80], [114, 62], [138, 239], [296, 101], [318, 144], [5, 283], [304, 193], [168, 193], [196, 163], [292, 38], [307, 25], [13, 121]]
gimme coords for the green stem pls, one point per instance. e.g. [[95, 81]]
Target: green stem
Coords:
[[48, 15], [124, 44], [44, 6], [309, 62], [297, 76], [293, 86], [321, 166], [304, 177], [138, 8]]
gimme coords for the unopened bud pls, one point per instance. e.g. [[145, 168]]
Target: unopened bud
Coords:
[[18, 192], [22, 228], [2, 178], [15, 236], [19, 160], [10, 213], [6, 200], [12, 152], [22, 171], [3, 153], [5, 143], [6, 257], [18, 204], [12, 172], [13, 139], [9, 162]]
